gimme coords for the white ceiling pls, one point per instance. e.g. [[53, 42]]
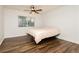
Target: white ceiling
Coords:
[[45, 8]]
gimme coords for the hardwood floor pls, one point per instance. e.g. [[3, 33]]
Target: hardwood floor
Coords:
[[26, 44]]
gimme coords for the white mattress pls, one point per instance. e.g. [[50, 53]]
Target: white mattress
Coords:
[[41, 33]]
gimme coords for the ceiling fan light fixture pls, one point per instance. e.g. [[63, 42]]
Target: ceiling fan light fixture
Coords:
[[34, 10]]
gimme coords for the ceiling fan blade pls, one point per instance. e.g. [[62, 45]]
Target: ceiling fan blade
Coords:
[[39, 10], [36, 12]]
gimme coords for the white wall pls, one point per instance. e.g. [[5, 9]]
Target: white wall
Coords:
[[38, 21], [11, 28], [66, 19], [1, 25]]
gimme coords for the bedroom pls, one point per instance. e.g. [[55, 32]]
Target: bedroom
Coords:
[[62, 17]]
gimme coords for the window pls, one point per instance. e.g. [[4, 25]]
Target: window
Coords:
[[26, 21]]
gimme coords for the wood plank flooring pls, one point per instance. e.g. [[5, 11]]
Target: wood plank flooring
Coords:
[[26, 44]]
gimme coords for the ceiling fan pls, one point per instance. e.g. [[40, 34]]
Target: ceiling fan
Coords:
[[33, 9]]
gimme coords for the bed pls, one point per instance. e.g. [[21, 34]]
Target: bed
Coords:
[[41, 33]]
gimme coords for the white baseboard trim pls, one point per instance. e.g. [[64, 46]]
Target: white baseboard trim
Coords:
[[9, 37], [14, 36], [69, 39]]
